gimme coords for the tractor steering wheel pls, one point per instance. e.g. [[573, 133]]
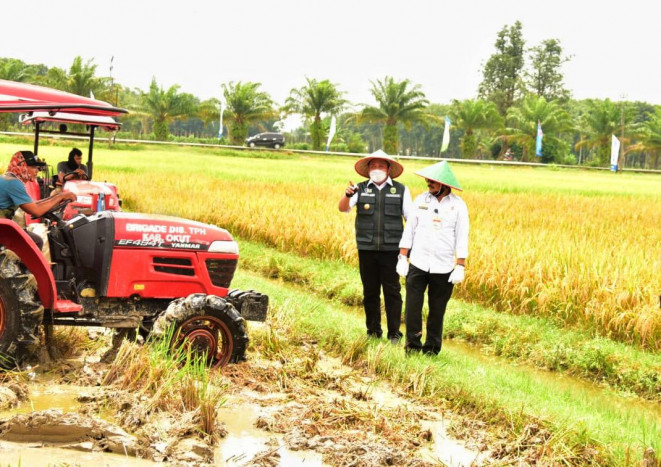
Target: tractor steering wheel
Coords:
[[75, 176], [54, 214]]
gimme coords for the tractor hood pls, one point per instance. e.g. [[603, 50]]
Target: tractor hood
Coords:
[[165, 232]]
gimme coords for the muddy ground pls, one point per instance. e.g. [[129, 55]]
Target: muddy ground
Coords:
[[308, 408]]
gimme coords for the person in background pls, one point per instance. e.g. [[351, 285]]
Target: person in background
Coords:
[[380, 203], [71, 169], [435, 243], [23, 168]]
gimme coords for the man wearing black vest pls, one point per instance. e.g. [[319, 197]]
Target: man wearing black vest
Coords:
[[381, 203]]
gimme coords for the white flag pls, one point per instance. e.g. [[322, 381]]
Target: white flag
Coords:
[[446, 135], [615, 153], [331, 132]]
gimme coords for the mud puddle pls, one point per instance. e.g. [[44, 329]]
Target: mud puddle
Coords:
[[13, 453], [245, 443], [307, 408]]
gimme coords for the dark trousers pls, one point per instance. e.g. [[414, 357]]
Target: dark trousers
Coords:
[[377, 271], [440, 291]]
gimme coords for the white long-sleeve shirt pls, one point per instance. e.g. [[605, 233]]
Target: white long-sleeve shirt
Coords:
[[435, 232]]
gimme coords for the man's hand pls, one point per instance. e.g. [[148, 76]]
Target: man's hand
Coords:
[[351, 189], [402, 267], [69, 196], [457, 275]]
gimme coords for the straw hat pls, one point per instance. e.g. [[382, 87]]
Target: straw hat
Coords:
[[441, 173], [362, 168]]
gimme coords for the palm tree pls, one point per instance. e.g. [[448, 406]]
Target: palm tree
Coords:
[[80, 79], [599, 123], [522, 124], [397, 102], [471, 115], [313, 99], [209, 111], [245, 105], [13, 69], [649, 134], [165, 106]]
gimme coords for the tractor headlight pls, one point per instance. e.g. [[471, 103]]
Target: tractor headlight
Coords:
[[222, 246]]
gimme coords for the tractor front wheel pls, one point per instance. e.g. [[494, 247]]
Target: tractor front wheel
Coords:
[[207, 325], [20, 312]]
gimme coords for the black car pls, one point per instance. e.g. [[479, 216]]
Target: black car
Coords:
[[272, 140]]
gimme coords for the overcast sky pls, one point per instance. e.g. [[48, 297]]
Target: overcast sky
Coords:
[[439, 44]]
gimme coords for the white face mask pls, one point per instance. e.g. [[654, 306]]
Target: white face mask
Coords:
[[378, 176]]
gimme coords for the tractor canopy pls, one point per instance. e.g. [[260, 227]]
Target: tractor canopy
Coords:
[[22, 97]]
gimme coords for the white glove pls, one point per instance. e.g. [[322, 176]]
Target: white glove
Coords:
[[457, 275], [402, 266]]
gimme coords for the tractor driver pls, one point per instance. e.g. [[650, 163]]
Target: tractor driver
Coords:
[[23, 168], [71, 169]]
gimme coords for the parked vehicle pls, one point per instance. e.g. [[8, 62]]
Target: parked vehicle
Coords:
[[120, 270], [271, 140]]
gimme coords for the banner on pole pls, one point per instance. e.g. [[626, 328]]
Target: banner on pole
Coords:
[[446, 135], [538, 142], [220, 127], [615, 153], [331, 132]]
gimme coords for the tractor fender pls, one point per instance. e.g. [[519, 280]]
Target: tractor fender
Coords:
[[15, 239]]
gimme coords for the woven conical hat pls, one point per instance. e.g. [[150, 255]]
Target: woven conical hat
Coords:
[[441, 173], [362, 168]]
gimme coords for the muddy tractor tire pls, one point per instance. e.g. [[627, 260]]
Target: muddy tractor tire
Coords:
[[207, 324], [20, 311]]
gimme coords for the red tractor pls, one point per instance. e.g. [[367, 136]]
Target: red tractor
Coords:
[[119, 270]]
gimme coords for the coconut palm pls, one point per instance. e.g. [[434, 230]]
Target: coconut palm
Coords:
[[313, 99], [80, 79], [471, 115], [522, 124], [245, 105], [165, 106], [397, 102]]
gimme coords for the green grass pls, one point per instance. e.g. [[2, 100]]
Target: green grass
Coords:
[[525, 339], [508, 396]]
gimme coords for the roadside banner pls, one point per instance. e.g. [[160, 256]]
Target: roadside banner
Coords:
[[615, 153], [331, 132], [445, 142], [220, 128], [538, 142]]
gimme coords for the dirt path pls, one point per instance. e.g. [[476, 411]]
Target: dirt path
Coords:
[[310, 409]]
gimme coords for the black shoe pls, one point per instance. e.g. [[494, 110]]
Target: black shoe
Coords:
[[374, 335], [433, 351], [412, 350]]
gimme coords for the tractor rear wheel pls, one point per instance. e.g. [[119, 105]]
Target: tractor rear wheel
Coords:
[[206, 324], [20, 311]]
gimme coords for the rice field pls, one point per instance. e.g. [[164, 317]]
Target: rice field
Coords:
[[581, 248]]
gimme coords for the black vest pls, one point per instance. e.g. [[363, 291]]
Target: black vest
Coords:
[[379, 223]]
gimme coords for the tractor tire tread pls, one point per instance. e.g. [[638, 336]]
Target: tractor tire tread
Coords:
[[30, 311], [182, 309]]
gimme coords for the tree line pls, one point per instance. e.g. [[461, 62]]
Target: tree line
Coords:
[[521, 88]]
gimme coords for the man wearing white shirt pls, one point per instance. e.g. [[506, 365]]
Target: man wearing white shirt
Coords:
[[435, 243], [380, 205]]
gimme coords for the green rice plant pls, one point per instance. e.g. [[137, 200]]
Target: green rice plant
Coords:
[[580, 248]]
